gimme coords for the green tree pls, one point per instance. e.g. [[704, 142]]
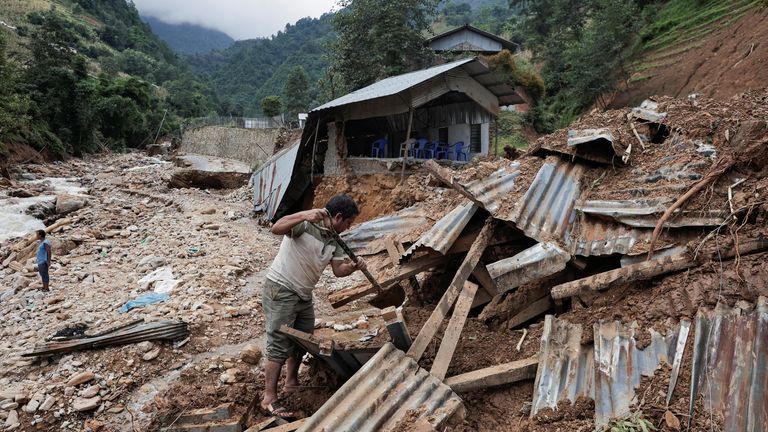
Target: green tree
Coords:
[[271, 106], [380, 38], [296, 92]]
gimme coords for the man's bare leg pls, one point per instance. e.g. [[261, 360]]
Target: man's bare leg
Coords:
[[271, 376], [292, 374]]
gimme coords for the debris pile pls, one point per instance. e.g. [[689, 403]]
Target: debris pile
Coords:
[[606, 241]]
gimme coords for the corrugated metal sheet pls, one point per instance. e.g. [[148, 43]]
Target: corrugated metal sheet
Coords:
[[649, 111], [392, 85], [389, 390], [645, 213], [595, 237], [536, 262], [442, 235], [491, 190], [271, 181], [362, 239], [608, 372], [729, 365], [546, 211]]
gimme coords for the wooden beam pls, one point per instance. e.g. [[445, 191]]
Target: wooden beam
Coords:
[[484, 278], [506, 373], [445, 175], [290, 427], [531, 311], [453, 331], [397, 329], [470, 262]]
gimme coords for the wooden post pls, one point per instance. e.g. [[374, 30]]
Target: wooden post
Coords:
[[470, 262], [407, 137], [396, 327], [453, 331], [494, 376]]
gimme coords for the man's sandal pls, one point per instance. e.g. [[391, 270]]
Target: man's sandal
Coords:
[[276, 410]]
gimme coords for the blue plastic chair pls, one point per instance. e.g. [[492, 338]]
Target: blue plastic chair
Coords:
[[441, 150], [430, 148], [458, 150], [379, 147], [419, 148]]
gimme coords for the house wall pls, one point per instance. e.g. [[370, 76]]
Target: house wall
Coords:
[[463, 38], [461, 132]]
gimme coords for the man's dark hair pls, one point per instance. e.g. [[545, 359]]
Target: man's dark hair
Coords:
[[342, 204], [41, 233]]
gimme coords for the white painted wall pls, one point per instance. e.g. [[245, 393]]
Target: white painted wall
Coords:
[[461, 132], [485, 138]]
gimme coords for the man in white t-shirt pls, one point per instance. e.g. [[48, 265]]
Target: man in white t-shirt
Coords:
[[307, 248]]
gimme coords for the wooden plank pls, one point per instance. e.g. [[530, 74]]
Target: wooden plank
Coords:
[[453, 331], [397, 329], [470, 262], [395, 251], [290, 427], [484, 278], [342, 297], [533, 310], [494, 376]]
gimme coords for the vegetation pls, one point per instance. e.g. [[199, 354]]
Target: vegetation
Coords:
[[296, 93], [380, 39], [189, 38], [634, 422], [271, 106]]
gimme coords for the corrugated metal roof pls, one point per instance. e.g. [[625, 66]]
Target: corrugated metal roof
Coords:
[[608, 372], [730, 355], [271, 181], [363, 238], [648, 111], [392, 85], [491, 190], [546, 211], [536, 262], [592, 236], [645, 213], [388, 391], [442, 235]]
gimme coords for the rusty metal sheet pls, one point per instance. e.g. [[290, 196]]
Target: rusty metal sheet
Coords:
[[592, 236], [271, 180], [491, 190], [608, 371], [365, 238], [536, 262], [546, 211], [645, 213], [388, 391], [730, 355], [441, 236], [597, 145]]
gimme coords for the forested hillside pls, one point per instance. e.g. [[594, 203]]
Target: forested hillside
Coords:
[[188, 38], [82, 75], [249, 70]]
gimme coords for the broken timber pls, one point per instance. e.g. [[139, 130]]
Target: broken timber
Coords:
[[649, 269], [452, 333], [397, 329], [506, 373], [531, 311], [449, 298], [343, 362], [445, 175]]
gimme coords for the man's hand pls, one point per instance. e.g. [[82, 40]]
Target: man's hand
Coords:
[[360, 265], [319, 215]]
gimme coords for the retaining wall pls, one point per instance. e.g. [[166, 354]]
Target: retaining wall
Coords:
[[252, 146]]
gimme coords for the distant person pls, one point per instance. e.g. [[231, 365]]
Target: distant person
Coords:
[[43, 258], [308, 247]]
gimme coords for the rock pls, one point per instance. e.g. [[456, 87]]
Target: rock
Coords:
[[48, 403], [208, 211], [208, 172], [90, 392], [83, 404], [230, 376], [31, 406], [82, 377], [251, 354], [9, 406], [212, 227], [69, 391], [151, 355], [152, 262], [145, 346], [12, 420], [21, 397], [94, 425], [41, 210], [68, 203], [117, 409]]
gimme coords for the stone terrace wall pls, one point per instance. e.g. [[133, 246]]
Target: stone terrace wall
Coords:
[[252, 146]]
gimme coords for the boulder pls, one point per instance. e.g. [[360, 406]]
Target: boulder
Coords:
[[86, 404], [82, 377], [251, 354], [207, 172], [66, 203]]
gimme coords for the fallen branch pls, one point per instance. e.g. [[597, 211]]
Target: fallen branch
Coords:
[[721, 166]]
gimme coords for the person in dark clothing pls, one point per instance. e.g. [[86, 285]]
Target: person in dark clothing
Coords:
[[43, 258]]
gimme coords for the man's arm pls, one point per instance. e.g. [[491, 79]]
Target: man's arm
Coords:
[[48, 252], [286, 223], [343, 268]]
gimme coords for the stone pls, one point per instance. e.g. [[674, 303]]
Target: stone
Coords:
[[83, 404], [31, 406], [69, 391], [90, 392], [251, 354], [151, 355], [116, 409], [145, 346], [21, 397], [81, 378], [66, 203], [152, 262], [12, 420], [208, 211], [94, 425], [9, 405], [48, 403], [230, 376]]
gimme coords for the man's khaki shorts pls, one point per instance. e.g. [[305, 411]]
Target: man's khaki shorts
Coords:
[[284, 307]]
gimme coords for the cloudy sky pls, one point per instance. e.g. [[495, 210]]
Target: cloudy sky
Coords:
[[241, 19]]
